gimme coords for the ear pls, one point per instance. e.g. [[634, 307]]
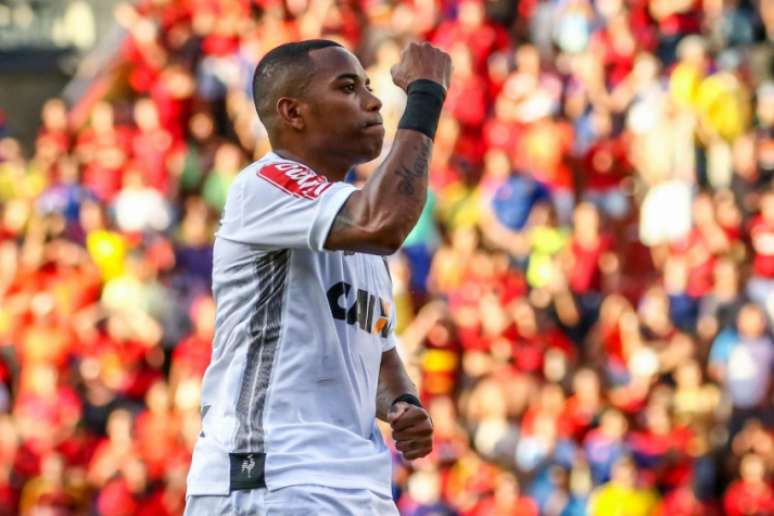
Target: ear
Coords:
[[290, 111]]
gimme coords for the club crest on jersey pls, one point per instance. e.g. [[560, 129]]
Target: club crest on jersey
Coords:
[[295, 179], [247, 465], [362, 311]]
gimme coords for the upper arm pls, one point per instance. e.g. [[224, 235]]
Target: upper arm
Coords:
[[354, 229], [276, 207]]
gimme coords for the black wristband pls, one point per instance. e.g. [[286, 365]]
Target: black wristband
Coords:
[[423, 107], [408, 398]]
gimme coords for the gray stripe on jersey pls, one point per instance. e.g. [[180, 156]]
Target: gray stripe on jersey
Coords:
[[264, 327]]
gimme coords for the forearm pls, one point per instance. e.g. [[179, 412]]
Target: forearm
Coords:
[[393, 382], [396, 192], [378, 218]]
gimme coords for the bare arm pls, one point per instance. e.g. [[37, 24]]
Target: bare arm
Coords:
[[393, 381], [410, 425], [378, 218]]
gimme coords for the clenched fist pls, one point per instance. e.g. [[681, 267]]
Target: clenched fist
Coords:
[[411, 429], [422, 61]]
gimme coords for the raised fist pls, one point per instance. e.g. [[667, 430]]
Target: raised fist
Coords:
[[422, 61], [412, 430]]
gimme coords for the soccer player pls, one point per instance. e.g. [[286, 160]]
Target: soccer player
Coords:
[[304, 356]]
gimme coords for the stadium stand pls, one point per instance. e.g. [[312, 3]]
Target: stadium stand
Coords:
[[586, 303]]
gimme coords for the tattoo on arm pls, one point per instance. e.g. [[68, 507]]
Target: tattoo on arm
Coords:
[[418, 170]]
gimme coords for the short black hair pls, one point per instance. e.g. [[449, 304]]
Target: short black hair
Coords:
[[284, 71]]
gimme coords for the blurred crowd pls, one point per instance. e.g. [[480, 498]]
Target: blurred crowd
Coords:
[[586, 302]]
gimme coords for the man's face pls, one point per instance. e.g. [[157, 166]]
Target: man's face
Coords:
[[343, 114]]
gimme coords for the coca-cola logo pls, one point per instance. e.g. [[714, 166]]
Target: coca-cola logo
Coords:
[[295, 179]]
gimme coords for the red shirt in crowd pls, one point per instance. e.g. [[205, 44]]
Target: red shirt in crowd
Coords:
[[104, 156], [585, 274], [78, 449], [144, 70], [168, 14], [523, 506], [150, 150], [193, 355], [683, 22], [467, 101], [8, 498], [683, 502], [156, 436], [576, 418], [500, 134], [481, 41], [701, 262], [528, 351], [743, 499], [116, 499], [62, 408], [664, 454], [173, 110], [59, 140], [606, 164]]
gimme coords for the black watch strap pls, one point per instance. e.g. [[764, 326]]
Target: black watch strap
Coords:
[[410, 399]]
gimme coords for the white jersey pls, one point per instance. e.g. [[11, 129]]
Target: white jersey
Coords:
[[290, 394]]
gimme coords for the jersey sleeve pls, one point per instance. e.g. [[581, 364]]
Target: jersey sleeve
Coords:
[[390, 342], [282, 205]]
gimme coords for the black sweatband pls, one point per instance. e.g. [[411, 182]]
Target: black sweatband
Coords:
[[408, 398], [423, 107]]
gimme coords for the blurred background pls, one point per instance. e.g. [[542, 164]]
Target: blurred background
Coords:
[[586, 303]]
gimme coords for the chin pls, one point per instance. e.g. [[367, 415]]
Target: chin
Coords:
[[370, 152], [377, 150]]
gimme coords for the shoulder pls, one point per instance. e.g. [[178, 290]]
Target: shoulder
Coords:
[[289, 178]]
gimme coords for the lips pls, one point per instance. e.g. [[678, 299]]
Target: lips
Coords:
[[373, 123]]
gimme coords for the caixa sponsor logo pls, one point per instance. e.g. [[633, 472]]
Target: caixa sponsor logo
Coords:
[[367, 311], [295, 179]]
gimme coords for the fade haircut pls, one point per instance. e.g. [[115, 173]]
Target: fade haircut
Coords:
[[285, 71]]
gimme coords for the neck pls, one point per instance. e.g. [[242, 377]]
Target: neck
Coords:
[[332, 166]]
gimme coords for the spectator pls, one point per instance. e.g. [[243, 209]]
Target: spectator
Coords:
[[151, 145], [49, 491], [760, 286], [622, 494], [103, 148], [424, 496], [605, 445], [748, 370], [506, 500], [228, 161], [138, 207], [750, 494], [584, 304]]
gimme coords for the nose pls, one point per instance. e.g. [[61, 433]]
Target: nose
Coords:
[[371, 102]]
